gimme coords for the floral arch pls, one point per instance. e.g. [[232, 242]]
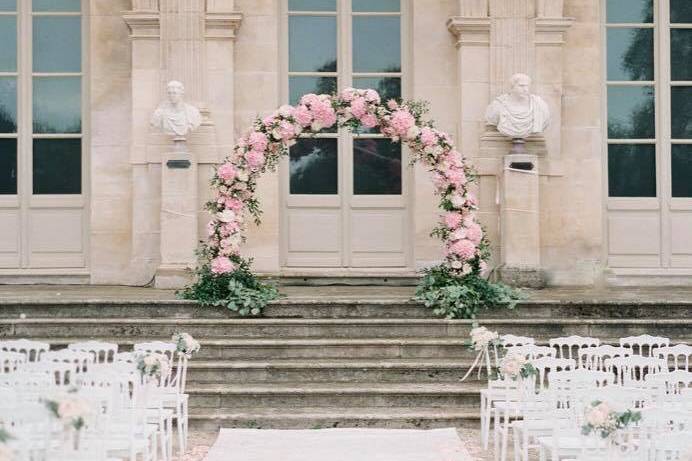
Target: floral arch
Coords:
[[259, 150]]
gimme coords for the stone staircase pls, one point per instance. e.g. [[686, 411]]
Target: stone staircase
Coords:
[[328, 361]]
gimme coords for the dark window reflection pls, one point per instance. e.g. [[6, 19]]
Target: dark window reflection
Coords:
[[299, 86], [681, 168], [681, 11], [57, 5], [57, 43], [630, 11], [681, 54], [8, 39], [8, 104], [388, 87], [57, 105], [631, 113], [370, 6], [376, 167], [630, 54], [57, 166], [314, 166], [376, 44], [312, 5], [8, 166], [312, 43], [632, 170], [681, 112]]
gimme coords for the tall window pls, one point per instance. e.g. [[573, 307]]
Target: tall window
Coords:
[[334, 44], [40, 97], [649, 94]]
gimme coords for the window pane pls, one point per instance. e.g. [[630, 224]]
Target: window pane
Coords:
[[57, 166], [314, 166], [57, 5], [681, 54], [631, 113], [680, 107], [298, 86], [681, 168], [632, 170], [681, 11], [388, 87], [376, 44], [8, 38], [8, 166], [376, 167], [312, 5], [630, 54], [57, 44], [312, 43], [8, 5], [632, 11], [376, 5], [57, 105], [8, 104]]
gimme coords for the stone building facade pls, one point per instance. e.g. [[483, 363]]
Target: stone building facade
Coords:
[[87, 193]]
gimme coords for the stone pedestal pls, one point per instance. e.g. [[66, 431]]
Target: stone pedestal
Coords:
[[520, 222], [179, 205]]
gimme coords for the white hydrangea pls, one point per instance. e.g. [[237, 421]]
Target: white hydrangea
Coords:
[[481, 337]]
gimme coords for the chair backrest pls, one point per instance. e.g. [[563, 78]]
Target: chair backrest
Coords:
[[531, 351], [644, 345], [632, 370], [32, 350], [103, 352], [81, 360], [593, 358], [569, 347], [512, 340], [678, 357], [619, 398], [61, 374], [545, 365], [33, 385], [581, 378], [9, 361], [168, 350], [672, 382]]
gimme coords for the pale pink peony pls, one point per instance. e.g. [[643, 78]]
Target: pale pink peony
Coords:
[[598, 416], [309, 99], [286, 131], [226, 171], [323, 113], [269, 120], [458, 234], [222, 265], [369, 120], [392, 104], [255, 159], [302, 116], [233, 203], [347, 94], [258, 141], [465, 249], [358, 107], [456, 176], [457, 200], [474, 233], [286, 111], [372, 96], [428, 136], [452, 220], [402, 120]]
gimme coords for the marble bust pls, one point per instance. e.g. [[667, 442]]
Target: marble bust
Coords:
[[519, 114], [174, 116]]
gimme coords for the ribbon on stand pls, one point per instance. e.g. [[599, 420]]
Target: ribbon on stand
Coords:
[[482, 354]]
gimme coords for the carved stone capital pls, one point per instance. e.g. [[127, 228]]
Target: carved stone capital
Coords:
[[143, 24], [222, 26], [470, 31], [551, 31]]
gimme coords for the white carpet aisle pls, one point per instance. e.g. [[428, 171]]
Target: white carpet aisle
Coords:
[[338, 445]]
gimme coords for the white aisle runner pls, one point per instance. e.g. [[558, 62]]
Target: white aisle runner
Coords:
[[338, 445]]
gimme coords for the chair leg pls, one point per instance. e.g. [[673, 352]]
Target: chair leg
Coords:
[[517, 436], [505, 436], [496, 434]]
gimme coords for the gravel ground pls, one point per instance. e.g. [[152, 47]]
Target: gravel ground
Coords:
[[200, 442]]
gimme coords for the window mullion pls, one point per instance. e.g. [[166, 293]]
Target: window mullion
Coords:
[[24, 125], [663, 115]]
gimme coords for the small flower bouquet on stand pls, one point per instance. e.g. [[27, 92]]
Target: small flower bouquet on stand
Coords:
[[152, 366], [187, 345], [602, 420], [482, 340]]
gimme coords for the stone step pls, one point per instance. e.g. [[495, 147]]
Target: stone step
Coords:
[[208, 420], [678, 329], [390, 307], [327, 395], [330, 371]]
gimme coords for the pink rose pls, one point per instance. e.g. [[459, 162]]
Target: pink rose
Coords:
[[258, 141], [309, 99], [226, 171], [222, 265], [369, 120], [372, 96], [287, 131], [428, 136], [347, 94], [465, 249], [402, 120], [255, 160], [358, 107], [452, 220], [456, 176], [302, 116], [233, 203]]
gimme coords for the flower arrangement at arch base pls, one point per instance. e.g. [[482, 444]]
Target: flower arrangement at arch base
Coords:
[[454, 289]]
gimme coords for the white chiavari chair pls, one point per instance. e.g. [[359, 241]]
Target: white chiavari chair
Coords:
[[593, 358], [103, 352], [632, 370], [570, 347], [644, 345], [32, 350], [678, 357]]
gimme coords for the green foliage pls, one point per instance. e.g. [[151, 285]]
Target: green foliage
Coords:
[[528, 370], [462, 297], [5, 436], [240, 291]]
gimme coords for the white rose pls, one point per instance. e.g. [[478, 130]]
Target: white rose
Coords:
[[227, 216], [413, 132], [242, 176], [457, 200], [456, 264], [285, 110]]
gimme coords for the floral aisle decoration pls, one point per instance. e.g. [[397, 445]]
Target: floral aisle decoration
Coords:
[[6, 453], [223, 276], [516, 366], [186, 344], [602, 420], [71, 411], [482, 340], [152, 366]]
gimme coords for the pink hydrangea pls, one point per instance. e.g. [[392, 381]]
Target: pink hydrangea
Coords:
[[254, 159], [286, 130], [402, 120], [226, 171], [269, 120], [309, 99], [474, 233], [453, 220], [347, 94], [222, 265], [258, 141], [302, 115], [369, 120], [465, 248], [323, 113], [456, 176], [372, 96], [233, 203], [428, 136], [358, 107]]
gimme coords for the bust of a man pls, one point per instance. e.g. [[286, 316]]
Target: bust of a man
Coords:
[[174, 116], [519, 114]]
